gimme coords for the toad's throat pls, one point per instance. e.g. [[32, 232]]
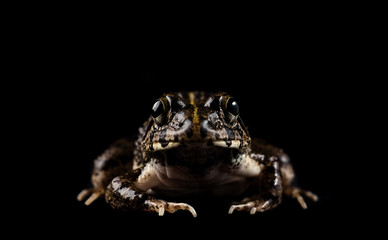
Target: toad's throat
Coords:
[[198, 158]]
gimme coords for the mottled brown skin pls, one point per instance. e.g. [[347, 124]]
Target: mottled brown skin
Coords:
[[194, 142]]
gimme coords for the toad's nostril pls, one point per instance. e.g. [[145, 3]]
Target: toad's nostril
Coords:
[[218, 124]]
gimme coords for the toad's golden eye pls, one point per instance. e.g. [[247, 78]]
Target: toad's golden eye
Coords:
[[160, 111], [230, 108], [157, 109]]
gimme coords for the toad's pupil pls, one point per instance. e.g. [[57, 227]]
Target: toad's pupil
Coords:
[[233, 107], [157, 109]]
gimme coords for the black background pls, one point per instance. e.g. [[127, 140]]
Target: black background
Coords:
[[290, 110], [99, 81]]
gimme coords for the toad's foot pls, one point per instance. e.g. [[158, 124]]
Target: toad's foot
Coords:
[[258, 205], [95, 193], [160, 206], [298, 193], [122, 193]]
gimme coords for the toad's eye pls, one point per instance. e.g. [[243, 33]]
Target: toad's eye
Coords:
[[230, 108], [160, 110]]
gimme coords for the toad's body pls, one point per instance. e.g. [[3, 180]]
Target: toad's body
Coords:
[[193, 143]]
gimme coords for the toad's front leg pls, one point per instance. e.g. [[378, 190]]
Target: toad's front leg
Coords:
[[269, 185], [128, 192], [116, 160]]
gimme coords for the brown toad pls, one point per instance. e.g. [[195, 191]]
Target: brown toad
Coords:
[[193, 143]]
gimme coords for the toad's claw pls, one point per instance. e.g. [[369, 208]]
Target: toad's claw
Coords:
[[95, 194], [161, 211], [299, 193], [160, 206], [253, 206]]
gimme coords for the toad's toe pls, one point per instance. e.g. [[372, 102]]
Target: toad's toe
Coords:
[[161, 206], [253, 206], [94, 195]]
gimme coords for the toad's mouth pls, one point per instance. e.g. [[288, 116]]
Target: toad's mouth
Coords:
[[233, 144]]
